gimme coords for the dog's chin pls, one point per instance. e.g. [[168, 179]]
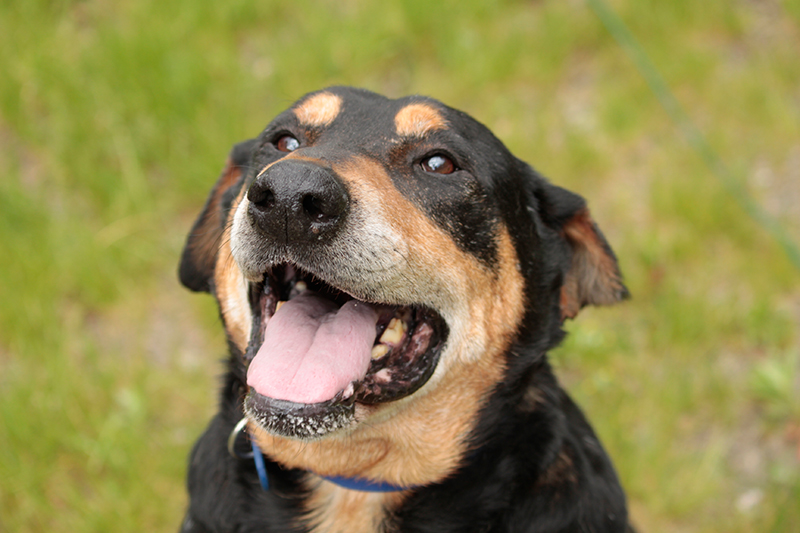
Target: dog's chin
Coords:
[[299, 420], [306, 380]]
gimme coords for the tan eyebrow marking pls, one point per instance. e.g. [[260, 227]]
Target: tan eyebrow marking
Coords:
[[415, 120], [319, 110]]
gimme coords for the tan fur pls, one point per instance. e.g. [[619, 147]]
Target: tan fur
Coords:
[[333, 509], [231, 289], [593, 277], [415, 120], [319, 110]]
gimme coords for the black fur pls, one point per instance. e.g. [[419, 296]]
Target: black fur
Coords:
[[535, 464]]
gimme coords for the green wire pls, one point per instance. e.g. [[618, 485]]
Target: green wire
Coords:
[[690, 132]]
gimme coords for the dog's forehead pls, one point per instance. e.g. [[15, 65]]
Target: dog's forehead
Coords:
[[361, 115]]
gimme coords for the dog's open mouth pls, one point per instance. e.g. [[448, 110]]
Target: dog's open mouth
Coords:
[[315, 351]]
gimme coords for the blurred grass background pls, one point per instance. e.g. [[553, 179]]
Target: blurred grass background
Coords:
[[116, 117]]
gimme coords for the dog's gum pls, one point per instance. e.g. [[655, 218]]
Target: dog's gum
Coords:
[[383, 376]]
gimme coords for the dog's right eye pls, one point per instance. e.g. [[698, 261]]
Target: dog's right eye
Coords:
[[287, 143], [439, 164]]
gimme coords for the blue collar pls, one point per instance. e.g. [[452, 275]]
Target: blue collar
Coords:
[[360, 484], [261, 467]]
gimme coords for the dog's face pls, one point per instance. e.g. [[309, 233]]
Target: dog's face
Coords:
[[379, 265]]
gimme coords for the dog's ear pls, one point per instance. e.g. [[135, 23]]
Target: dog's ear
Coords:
[[592, 274], [200, 252]]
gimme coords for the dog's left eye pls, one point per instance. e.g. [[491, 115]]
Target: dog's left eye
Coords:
[[439, 164], [287, 143]]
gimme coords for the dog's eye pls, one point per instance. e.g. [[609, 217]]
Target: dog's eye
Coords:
[[287, 143], [439, 164]]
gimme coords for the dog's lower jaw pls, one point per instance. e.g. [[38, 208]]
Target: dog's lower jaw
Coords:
[[303, 422]]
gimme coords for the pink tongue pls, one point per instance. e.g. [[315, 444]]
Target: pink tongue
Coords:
[[313, 349]]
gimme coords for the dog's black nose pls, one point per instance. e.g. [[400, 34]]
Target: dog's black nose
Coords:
[[298, 201]]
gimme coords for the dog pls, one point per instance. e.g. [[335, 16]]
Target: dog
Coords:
[[390, 278]]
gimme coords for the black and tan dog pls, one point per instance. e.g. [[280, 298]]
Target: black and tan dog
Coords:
[[390, 279]]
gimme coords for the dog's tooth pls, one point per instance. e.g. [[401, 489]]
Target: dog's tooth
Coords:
[[279, 304], [379, 350], [299, 288], [394, 332], [348, 391]]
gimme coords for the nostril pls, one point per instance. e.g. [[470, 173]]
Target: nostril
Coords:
[[314, 208], [262, 197]]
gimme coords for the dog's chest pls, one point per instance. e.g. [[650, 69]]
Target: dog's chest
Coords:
[[333, 509]]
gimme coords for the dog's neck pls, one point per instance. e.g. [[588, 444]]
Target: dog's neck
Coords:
[[334, 509]]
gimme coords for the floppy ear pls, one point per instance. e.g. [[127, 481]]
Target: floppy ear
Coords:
[[592, 276], [200, 252]]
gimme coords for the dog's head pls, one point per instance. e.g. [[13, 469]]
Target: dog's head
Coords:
[[375, 257]]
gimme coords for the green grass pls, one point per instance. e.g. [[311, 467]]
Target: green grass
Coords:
[[115, 119]]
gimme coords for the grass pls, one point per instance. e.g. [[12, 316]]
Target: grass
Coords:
[[116, 117]]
